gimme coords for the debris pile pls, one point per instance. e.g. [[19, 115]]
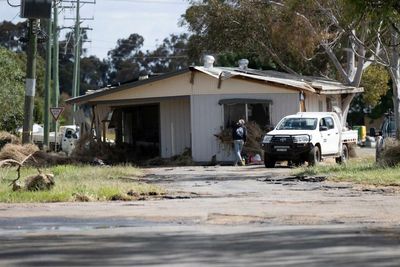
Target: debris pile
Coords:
[[184, 159], [252, 147], [39, 158], [39, 182], [7, 138], [254, 138], [17, 152], [390, 154]]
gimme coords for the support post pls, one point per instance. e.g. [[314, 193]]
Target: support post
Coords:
[[30, 83], [47, 86], [56, 89], [77, 47]]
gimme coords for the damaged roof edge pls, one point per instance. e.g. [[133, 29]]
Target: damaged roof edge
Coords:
[[218, 73], [107, 90]]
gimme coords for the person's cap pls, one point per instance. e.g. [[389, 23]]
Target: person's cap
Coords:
[[241, 122]]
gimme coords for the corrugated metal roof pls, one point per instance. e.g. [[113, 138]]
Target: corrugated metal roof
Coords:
[[313, 84], [317, 85]]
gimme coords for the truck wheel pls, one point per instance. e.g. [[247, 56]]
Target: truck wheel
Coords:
[[269, 162], [344, 156], [314, 156]]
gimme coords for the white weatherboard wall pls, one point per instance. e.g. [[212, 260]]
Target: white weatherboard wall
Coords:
[[208, 119], [175, 126], [315, 103]]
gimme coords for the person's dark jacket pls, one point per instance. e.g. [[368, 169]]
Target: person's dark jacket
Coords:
[[239, 133]]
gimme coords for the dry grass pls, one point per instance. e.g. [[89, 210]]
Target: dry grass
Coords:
[[7, 138], [39, 158], [390, 156], [253, 142], [17, 152]]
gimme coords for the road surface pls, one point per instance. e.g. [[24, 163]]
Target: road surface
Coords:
[[214, 216]]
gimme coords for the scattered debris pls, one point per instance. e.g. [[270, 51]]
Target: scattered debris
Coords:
[[251, 148], [119, 197], [39, 182], [184, 159], [17, 152], [389, 152], [311, 179], [176, 197], [7, 138], [81, 197]]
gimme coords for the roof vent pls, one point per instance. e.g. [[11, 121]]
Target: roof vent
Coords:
[[243, 64], [143, 77], [209, 61]]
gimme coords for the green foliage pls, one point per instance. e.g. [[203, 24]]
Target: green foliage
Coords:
[[376, 84], [168, 56], [271, 31], [11, 91]]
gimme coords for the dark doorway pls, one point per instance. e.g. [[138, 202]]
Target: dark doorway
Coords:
[[140, 130]]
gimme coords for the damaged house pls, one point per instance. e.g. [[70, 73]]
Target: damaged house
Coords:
[[167, 114]]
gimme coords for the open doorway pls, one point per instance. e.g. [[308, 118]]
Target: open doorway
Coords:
[[139, 128]]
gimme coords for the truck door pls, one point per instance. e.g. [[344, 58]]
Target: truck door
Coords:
[[330, 136]]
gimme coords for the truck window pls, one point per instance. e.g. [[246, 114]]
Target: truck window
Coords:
[[329, 123], [298, 124]]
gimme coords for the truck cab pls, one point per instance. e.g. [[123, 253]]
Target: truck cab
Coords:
[[307, 137]]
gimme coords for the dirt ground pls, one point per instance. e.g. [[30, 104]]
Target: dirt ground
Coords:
[[220, 216]]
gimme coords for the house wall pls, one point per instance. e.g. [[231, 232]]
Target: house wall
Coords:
[[208, 119], [315, 103], [175, 126], [190, 115], [175, 86]]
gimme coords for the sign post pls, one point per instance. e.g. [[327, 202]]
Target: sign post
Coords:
[[56, 112]]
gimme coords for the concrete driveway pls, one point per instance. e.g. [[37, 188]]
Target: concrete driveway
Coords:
[[214, 216]]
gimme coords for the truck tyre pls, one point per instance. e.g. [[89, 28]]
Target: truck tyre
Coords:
[[269, 161], [314, 156], [344, 156]]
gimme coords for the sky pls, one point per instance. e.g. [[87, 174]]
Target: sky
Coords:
[[115, 19]]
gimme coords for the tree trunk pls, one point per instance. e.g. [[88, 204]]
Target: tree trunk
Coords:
[[395, 75], [346, 101]]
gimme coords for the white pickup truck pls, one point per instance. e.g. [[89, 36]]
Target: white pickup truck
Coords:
[[67, 136], [308, 136]]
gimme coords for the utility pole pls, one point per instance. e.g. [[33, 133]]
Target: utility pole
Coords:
[[77, 48], [56, 89], [30, 83], [47, 85]]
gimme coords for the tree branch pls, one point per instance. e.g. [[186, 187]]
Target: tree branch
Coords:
[[277, 59], [336, 63]]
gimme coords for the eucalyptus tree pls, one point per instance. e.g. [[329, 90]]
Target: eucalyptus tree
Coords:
[[327, 34], [386, 15]]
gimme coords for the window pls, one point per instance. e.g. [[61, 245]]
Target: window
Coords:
[[298, 124], [234, 112], [328, 122], [251, 112], [259, 113]]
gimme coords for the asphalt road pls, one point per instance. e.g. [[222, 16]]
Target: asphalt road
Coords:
[[216, 216]]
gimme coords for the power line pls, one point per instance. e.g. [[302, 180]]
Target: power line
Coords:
[[8, 2], [149, 2]]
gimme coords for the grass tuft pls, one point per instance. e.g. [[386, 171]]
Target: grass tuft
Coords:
[[356, 171], [78, 183]]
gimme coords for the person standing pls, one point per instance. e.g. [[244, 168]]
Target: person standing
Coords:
[[239, 135]]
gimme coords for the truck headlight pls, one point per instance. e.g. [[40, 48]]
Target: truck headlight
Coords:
[[301, 139], [267, 139]]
